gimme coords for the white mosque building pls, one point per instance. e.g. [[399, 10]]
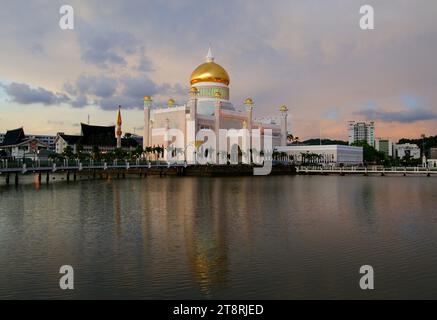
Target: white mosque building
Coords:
[[208, 107]]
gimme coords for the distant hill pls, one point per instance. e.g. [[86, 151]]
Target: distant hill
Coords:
[[316, 142]]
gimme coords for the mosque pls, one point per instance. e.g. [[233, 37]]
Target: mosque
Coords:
[[208, 107]]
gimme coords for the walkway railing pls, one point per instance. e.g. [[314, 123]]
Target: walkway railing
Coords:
[[366, 170], [75, 165]]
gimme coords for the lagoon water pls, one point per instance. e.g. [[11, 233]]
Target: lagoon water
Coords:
[[279, 237]]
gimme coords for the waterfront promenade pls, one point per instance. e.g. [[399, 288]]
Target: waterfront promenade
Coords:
[[10, 172], [366, 171], [73, 170]]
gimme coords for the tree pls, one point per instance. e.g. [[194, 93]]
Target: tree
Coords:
[[120, 154], [96, 153], [370, 154], [79, 152], [68, 152], [138, 151]]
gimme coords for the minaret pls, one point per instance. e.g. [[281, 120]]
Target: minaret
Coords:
[[193, 103], [217, 112], [147, 125], [249, 107], [191, 127], [284, 116], [118, 131]]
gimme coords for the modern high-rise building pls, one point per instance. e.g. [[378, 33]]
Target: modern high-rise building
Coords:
[[385, 146], [362, 131]]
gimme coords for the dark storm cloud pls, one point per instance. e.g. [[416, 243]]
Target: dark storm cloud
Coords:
[[24, 94], [406, 116]]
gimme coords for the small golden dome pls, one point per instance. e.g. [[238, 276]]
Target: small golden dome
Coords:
[[194, 90], [210, 72], [283, 108], [170, 102], [217, 94], [147, 98], [248, 101]]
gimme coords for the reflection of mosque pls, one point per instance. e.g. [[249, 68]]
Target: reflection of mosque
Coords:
[[205, 235], [188, 229]]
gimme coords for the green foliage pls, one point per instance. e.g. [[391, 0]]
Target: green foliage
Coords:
[[68, 153], [370, 154]]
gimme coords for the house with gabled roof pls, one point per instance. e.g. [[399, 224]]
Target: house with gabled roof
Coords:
[[18, 146]]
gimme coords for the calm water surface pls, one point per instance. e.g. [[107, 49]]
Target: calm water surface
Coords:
[[281, 237]]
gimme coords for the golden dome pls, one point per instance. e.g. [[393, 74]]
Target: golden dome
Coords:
[[210, 72], [170, 102], [147, 98], [283, 108]]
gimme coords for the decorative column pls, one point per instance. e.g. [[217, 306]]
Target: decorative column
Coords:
[[249, 107], [193, 103], [166, 138], [191, 127], [284, 116], [146, 135], [217, 112], [118, 132]]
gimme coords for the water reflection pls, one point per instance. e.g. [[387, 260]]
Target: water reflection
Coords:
[[252, 237]]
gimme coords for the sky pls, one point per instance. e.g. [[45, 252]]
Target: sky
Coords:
[[310, 55]]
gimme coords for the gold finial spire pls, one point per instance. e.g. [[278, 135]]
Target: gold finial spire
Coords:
[[119, 121]]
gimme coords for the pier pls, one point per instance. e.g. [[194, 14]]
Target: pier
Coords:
[[45, 172], [368, 171], [74, 170]]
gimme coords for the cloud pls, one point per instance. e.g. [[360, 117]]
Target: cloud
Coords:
[[103, 47], [404, 116], [310, 56], [56, 122], [24, 94], [100, 86]]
